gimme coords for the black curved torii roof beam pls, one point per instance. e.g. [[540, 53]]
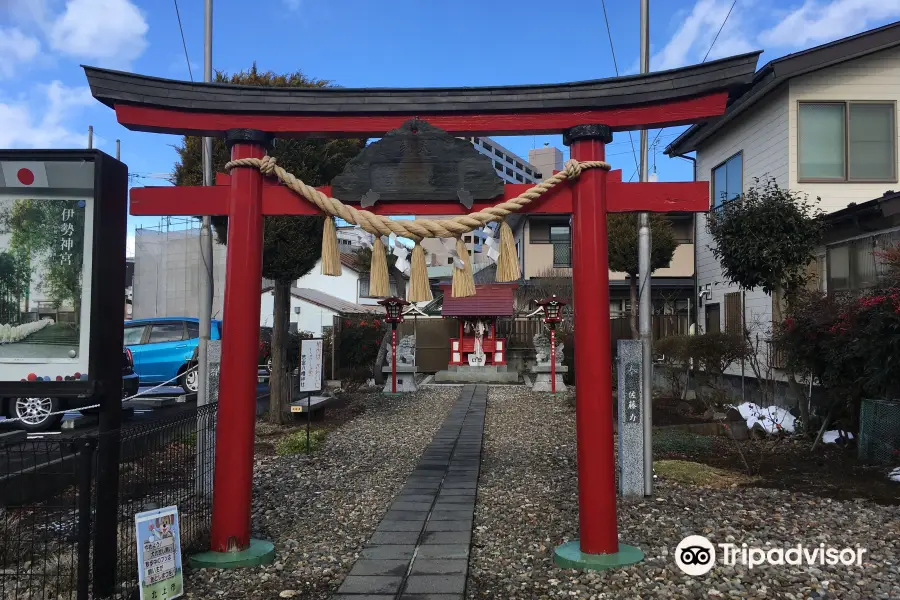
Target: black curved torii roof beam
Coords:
[[664, 98]]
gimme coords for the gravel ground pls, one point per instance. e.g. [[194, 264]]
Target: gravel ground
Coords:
[[319, 512], [527, 504]]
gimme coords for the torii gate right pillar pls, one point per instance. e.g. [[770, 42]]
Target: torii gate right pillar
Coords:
[[598, 546]]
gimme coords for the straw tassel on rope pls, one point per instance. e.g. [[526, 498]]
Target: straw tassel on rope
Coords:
[[419, 290], [508, 261], [463, 279], [379, 285], [331, 256]]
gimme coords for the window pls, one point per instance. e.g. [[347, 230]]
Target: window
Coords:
[[519, 165], [508, 159], [728, 180], [449, 260], [475, 140], [364, 287], [733, 312], [519, 178], [133, 335], [847, 141], [853, 265], [528, 172], [487, 146], [562, 248], [538, 175], [171, 331], [498, 153], [467, 239], [193, 330], [509, 171], [562, 256], [498, 165]]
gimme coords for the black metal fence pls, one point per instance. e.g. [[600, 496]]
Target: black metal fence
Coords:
[[50, 513]]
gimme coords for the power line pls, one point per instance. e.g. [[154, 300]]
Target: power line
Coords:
[[612, 51], [183, 42], [720, 30], [725, 20]]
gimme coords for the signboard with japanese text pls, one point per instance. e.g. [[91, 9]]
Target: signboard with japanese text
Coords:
[[62, 230], [309, 372], [159, 554], [632, 390]]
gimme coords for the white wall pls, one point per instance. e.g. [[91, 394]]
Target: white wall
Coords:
[[345, 286], [762, 136], [311, 318], [873, 77]]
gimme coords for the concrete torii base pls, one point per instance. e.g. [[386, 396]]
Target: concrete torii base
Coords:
[[570, 556], [406, 379], [260, 552]]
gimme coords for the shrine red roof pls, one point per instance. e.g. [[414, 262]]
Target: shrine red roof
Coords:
[[490, 300]]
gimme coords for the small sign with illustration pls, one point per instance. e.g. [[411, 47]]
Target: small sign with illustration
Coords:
[[159, 554]]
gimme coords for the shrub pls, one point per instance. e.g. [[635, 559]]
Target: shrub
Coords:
[[714, 353], [673, 350], [848, 344], [352, 379], [295, 443], [673, 441], [359, 341], [792, 228]]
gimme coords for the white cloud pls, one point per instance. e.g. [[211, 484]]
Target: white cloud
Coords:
[[38, 120], [818, 22], [27, 12], [690, 43], [15, 48], [109, 31]]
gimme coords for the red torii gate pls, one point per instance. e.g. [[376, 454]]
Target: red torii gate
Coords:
[[586, 113]]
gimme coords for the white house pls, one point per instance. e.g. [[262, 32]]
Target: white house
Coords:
[[822, 121], [312, 309]]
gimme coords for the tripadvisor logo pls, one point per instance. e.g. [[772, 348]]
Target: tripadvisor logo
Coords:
[[696, 555]]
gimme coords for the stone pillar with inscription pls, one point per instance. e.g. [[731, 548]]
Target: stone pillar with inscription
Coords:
[[206, 421], [631, 430]]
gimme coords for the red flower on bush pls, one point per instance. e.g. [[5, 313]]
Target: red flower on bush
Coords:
[[346, 322], [377, 322]]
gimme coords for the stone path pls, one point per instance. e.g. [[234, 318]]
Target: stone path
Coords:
[[420, 549]]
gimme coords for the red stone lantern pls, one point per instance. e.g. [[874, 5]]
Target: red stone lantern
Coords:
[[552, 315], [394, 309]]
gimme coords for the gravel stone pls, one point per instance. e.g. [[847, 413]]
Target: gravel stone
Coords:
[[528, 504], [320, 511]]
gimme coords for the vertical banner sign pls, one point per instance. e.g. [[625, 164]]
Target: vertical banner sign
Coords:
[[631, 429], [310, 369], [159, 554]]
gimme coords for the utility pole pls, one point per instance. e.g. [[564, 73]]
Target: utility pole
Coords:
[[206, 281], [644, 292], [90, 137], [118, 149]]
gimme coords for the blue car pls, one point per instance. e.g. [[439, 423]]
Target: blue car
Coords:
[[162, 349]]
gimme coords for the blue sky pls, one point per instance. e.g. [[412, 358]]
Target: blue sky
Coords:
[[45, 103]]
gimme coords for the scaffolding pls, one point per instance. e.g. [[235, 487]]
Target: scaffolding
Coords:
[[167, 270]]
